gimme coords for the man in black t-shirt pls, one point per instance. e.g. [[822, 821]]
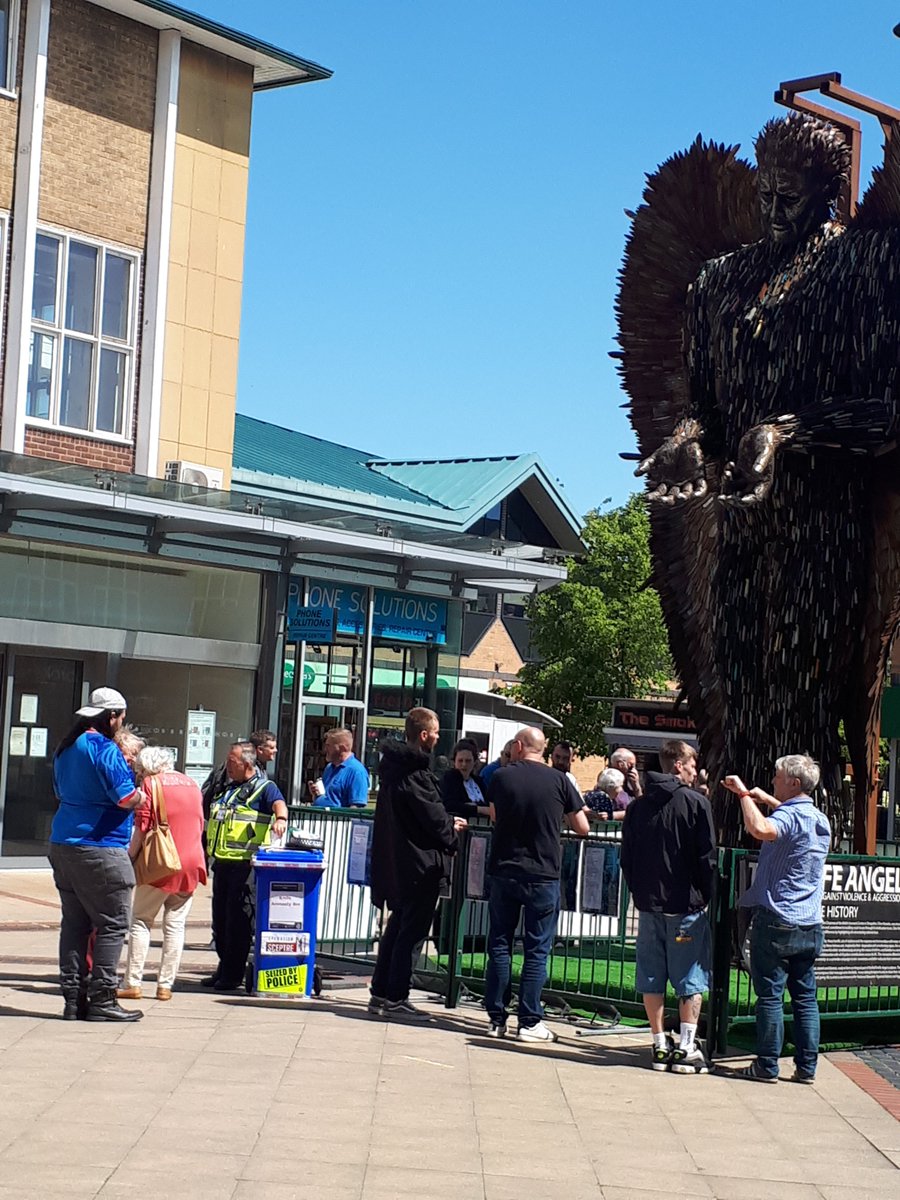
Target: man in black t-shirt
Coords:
[[529, 801]]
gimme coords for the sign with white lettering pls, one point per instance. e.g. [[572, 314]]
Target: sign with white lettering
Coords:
[[295, 945], [861, 910], [400, 616]]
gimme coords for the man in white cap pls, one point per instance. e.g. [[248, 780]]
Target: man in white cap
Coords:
[[92, 871]]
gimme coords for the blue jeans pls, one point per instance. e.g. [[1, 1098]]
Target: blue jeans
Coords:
[[783, 955], [538, 899]]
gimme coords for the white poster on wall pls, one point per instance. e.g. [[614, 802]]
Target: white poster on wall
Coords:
[[201, 738]]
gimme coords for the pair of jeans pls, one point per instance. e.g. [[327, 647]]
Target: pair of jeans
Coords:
[[94, 885], [148, 900], [406, 930], [784, 955], [537, 902], [233, 906]]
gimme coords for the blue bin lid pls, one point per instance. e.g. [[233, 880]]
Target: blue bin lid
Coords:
[[277, 856]]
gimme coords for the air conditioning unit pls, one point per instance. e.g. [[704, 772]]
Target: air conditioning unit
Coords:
[[178, 471]]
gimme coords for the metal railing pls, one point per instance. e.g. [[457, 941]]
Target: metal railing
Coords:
[[591, 968]]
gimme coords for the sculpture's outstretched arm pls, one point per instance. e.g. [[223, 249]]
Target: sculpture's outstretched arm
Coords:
[[867, 425]]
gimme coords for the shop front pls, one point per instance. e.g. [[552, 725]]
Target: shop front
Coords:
[[360, 657], [180, 641]]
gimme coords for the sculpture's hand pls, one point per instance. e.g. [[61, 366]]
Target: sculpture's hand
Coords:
[[676, 471], [749, 480]]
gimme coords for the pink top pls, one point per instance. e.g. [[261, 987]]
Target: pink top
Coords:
[[184, 808]]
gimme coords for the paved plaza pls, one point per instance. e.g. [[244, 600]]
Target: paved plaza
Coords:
[[232, 1098]]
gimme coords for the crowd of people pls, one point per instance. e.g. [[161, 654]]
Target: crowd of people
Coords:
[[116, 794]]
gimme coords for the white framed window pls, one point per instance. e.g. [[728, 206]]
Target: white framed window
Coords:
[[9, 43], [83, 329]]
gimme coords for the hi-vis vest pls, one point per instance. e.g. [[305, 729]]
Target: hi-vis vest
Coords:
[[235, 830]]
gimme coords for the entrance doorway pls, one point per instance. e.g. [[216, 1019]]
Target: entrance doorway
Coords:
[[315, 722], [43, 694]]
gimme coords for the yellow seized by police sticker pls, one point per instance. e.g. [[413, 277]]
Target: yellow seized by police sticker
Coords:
[[287, 980]]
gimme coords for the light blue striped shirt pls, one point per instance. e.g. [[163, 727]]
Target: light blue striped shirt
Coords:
[[790, 875]]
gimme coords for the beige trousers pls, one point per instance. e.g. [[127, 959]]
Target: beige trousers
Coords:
[[148, 900]]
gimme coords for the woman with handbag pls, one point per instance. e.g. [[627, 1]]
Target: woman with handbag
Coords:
[[169, 863]]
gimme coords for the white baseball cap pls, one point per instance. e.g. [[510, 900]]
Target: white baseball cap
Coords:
[[102, 700]]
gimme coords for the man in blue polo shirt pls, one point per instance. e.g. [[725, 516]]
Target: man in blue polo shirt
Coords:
[[786, 897], [345, 781]]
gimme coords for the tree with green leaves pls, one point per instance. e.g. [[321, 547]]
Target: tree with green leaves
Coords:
[[601, 633]]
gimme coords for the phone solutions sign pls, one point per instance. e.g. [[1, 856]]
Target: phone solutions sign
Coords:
[[341, 608]]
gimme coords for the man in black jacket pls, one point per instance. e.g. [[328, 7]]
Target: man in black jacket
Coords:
[[411, 843], [669, 862]]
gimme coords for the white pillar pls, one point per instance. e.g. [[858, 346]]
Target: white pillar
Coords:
[[26, 188], [156, 263]]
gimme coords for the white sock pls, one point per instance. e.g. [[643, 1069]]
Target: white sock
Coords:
[[659, 1041], [688, 1033]]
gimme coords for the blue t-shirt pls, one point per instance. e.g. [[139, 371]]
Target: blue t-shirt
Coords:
[[91, 777], [346, 785]]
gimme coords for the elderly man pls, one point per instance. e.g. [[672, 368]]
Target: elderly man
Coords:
[[787, 936], [669, 862], [345, 781], [529, 802], [241, 814], [624, 760]]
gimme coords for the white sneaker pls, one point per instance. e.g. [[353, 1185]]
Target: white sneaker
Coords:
[[497, 1030], [690, 1062], [536, 1033]]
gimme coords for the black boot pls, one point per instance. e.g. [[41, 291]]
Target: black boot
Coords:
[[105, 1007], [75, 1005]]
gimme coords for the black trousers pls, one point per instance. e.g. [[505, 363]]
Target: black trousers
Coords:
[[406, 930], [232, 912], [94, 885]]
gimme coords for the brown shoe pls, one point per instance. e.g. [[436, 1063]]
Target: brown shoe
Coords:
[[133, 993], [163, 993]]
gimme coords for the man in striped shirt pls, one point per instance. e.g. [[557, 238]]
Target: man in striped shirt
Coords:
[[787, 936]]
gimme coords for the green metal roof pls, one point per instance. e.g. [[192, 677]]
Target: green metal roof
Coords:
[[273, 450], [456, 482], [272, 66]]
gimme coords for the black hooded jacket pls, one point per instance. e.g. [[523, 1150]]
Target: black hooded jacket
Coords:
[[413, 833], [669, 847]]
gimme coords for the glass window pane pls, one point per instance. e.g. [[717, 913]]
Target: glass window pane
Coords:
[[116, 291], [40, 375], [75, 393], [81, 287], [5, 81], [111, 394], [46, 266]]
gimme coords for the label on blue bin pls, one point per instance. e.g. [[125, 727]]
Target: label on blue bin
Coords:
[[282, 979], [286, 906], [288, 943]]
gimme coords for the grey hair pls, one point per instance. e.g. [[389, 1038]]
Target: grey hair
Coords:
[[153, 760], [610, 777], [621, 752], [800, 767], [248, 752]]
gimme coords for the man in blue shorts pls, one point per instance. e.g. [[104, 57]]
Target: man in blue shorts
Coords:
[[669, 862]]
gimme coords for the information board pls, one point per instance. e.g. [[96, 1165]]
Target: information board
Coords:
[[861, 909]]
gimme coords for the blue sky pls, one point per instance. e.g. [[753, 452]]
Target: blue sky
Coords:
[[434, 233]]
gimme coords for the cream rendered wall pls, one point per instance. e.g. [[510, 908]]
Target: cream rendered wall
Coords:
[[206, 260]]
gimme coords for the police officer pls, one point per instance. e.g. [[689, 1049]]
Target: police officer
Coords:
[[241, 813]]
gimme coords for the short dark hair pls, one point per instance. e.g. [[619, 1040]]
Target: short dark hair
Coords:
[[673, 751], [465, 744], [565, 745], [259, 737], [418, 719]]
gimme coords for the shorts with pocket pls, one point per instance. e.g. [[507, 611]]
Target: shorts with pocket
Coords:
[[673, 949]]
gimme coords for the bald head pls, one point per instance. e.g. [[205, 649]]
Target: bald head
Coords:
[[529, 743]]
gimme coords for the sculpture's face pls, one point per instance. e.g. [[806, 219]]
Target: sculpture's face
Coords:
[[793, 205]]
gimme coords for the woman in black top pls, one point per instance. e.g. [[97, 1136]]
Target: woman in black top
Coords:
[[461, 789]]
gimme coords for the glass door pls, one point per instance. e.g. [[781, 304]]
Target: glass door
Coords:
[[315, 721], [45, 693]]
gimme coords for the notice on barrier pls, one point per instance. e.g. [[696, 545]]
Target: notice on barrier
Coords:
[[600, 880], [286, 980], [359, 862], [477, 864], [861, 908], [286, 906], [295, 945]]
